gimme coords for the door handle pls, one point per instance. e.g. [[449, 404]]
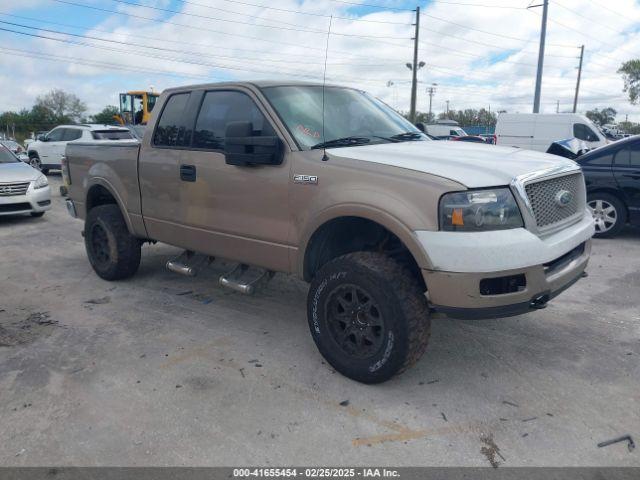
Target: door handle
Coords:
[[188, 173]]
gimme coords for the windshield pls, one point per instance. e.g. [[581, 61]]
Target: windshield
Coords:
[[348, 114], [6, 156]]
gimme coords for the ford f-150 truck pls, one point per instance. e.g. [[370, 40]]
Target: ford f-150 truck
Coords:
[[330, 184]]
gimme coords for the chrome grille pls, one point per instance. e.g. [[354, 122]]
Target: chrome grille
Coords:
[[10, 189], [544, 199]]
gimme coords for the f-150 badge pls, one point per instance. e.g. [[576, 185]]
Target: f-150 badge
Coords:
[[307, 179]]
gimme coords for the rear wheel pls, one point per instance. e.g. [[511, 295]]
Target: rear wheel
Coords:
[[368, 316], [113, 252], [608, 212]]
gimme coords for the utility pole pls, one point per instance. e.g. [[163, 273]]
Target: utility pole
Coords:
[[431, 91], [414, 70], [575, 100], [543, 37], [447, 108]]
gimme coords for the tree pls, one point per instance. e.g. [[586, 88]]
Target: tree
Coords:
[[65, 106], [106, 115], [602, 117], [630, 72]]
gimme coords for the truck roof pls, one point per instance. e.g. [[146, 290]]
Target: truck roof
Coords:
[[254, 84]]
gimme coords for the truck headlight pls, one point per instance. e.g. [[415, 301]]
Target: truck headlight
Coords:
[[40, 182], [479, 210]]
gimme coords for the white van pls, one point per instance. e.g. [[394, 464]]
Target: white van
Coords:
[[444, 128], [537, 131]]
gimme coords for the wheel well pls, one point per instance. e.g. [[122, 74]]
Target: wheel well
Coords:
[[345, 235], [98, 195]]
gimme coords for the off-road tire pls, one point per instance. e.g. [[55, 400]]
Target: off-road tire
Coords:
[[403, 308], [620, 209], [113, 252], [37, 214]]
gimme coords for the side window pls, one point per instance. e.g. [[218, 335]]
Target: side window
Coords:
[[220, 108], [172, 130], [622, 158], [56, 135], [583, 132], [606, 159], [634, 155], [71, 134]]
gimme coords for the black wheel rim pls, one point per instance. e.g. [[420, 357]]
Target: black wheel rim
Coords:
[[100, 244], [355, 321]]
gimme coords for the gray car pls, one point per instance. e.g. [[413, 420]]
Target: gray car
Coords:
[[23, 189]]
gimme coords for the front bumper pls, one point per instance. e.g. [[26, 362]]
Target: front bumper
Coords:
[[539, 269], [34, 201]]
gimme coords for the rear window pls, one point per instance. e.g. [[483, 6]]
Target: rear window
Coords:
[[112, 135], [71, 134]]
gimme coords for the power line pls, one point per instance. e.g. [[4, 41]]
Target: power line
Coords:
[[371, 5], [616, 30], [300, 74], [173, 41], [194, 27], [305, 30], [191, 27], [525, 40], [299, 12]]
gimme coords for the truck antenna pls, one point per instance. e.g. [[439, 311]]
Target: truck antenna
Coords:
[[324, 82]]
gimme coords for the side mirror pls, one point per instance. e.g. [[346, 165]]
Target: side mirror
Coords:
[[242, 148], [422, 127], [42, 138]]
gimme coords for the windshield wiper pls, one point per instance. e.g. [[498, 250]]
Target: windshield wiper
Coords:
[[401, 137], [342, 142]]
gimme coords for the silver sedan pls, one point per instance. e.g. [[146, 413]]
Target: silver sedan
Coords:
[[23, 189]]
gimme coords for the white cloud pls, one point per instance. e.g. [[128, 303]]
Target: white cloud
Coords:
[[233, 46]]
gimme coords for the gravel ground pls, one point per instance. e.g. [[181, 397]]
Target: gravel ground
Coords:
[[168, 370]]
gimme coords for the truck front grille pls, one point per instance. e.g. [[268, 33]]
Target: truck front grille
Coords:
[[10, 189], [550, 202]]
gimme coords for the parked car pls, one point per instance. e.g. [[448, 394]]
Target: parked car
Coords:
[[23, 189], [16, 149], [537, 131], [470, 138], [387, 225], [612, 176], [46, 152]]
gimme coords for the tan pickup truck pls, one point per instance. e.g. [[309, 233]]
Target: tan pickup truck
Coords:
[[387, 226]]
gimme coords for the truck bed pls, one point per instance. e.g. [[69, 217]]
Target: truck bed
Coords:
[[111, 163]]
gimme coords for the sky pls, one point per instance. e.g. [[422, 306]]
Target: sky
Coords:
[[480, 53]]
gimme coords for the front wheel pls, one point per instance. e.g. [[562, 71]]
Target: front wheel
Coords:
[[113, 252], [35, 162], [608, 212], [368, 316]]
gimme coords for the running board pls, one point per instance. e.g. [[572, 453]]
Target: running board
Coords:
[[245, 280], [189, 263]]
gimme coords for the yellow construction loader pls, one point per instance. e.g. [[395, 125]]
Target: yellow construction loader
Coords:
[[136, 107]]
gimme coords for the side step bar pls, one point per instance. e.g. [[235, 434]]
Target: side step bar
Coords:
[[242, 279], [188, 263]]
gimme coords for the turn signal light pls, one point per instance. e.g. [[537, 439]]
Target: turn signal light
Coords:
[[456, 217]]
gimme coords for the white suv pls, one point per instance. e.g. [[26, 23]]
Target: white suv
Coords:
[[47, 151]]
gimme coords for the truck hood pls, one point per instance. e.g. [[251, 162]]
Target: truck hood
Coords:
[[17, 172], [470, 164]]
